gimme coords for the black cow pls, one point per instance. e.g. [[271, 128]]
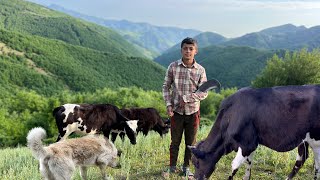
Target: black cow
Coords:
[[92, 119], [280, 118], [148, 119]]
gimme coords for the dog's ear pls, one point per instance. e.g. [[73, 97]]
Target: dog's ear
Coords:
[[119, 153]]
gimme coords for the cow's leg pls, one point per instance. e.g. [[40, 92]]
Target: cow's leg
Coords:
[[303, 154], [316, 152], [63, 135], [238, 161], [59, 137], [114, 136], [315, 145], [68, 130], [122, 135], [106, 133], [248, 166], [145, 132]]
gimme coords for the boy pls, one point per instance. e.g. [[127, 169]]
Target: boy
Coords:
[[183, 77]]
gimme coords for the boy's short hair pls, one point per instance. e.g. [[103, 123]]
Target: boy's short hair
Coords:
[[189, 40]]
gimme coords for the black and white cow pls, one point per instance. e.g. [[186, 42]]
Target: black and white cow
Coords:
[[148, 119], [92, 119], [280, 118]]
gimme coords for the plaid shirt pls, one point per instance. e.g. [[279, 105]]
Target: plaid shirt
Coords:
[[181, 83]]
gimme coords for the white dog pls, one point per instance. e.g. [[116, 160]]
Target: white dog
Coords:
[[59, 160]]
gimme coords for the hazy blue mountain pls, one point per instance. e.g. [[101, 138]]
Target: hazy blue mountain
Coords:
[[204, 39], [283, 29], [286, 36], [149, 39]]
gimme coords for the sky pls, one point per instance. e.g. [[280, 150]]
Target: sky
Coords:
[[230, 18]]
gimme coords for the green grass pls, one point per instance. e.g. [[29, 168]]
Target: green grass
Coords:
[[150, 157]]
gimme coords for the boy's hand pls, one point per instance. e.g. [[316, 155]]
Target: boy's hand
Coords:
[[182, 103], [169, 111]]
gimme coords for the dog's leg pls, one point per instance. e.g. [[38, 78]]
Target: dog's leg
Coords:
[[61, 168], [83, 172], [44, 169], [103, 171]]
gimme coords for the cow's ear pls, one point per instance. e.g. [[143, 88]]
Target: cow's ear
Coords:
[[197, 153]]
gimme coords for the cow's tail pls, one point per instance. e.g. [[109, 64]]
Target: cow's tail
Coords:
[[34, 141]]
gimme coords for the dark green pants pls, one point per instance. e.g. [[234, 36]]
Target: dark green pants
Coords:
[[187, 124]]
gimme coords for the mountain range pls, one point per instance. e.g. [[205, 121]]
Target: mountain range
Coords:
[[287, 36], [149, 39], [159, 40], [49, 51]]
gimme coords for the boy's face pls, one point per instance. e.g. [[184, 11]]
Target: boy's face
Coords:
[[188, 51]]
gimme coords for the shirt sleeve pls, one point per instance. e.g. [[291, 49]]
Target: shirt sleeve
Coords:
[[166, 87], [197, 96]]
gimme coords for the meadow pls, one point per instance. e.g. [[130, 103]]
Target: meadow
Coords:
[[150, 157]]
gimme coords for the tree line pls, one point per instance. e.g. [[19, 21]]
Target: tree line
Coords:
[[23, 109]]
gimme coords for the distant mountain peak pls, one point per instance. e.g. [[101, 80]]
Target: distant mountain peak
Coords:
[[283, 29]]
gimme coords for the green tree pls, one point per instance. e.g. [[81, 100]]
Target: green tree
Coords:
[[297, 68]]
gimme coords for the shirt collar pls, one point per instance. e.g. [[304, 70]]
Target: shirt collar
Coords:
[[194, 65]]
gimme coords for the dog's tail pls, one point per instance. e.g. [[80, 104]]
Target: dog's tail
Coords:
[[34, 141]]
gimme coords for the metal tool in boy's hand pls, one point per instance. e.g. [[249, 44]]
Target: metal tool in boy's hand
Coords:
[[210, 84]]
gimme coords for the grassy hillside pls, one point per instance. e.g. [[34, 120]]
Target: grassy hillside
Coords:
[[233, 66], [48, 66], [25, 17]]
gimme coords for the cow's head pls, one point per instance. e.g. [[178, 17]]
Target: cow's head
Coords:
[[166, 121], [133, 124], [202, 162], [130, 128], [162, 127], [167, 124]]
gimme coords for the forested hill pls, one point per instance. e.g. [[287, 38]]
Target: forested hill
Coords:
[[233, 66], [26, 17], [49, 66]]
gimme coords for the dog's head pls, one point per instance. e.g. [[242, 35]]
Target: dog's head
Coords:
[[115, 155], [114, 162]]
